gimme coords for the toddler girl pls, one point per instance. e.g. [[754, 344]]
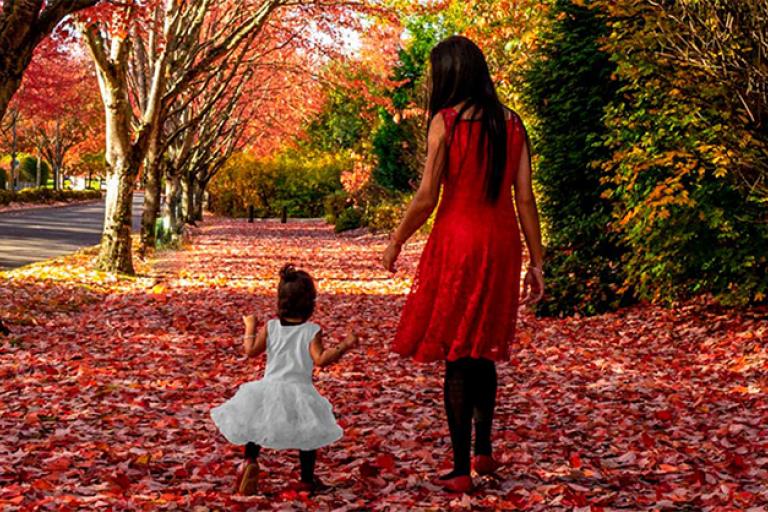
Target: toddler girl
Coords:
[[283, 410]]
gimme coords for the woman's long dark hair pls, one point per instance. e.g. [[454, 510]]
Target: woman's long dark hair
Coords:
[[460, 74]]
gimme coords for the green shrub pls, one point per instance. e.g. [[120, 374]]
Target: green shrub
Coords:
[[386, 214], [227, 202], [6, 196], [28, 169], [334, 204], [341, 124], [681, 148], [303, 181], [350, 218], [568, 85], [297, 181], [391, 147]]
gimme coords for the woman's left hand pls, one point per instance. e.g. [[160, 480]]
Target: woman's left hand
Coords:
[[390, 256], [533, 287]]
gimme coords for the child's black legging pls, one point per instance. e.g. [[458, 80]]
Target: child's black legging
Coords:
[[470, 391], [306, 459]]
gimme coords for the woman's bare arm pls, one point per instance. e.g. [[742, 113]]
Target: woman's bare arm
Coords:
[[426, 197], [526, 209], [428, 193]]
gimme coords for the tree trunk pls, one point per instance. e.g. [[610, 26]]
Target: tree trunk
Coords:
[[152, 189], [56, 169], [14, 148], [123, 161], [152, 184], [38, 169], [115, 251], [171, 220], [57, 153], [199, 199], [188, 196]]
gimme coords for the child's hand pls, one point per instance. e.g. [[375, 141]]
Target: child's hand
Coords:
[[250, 323], [351, 341]]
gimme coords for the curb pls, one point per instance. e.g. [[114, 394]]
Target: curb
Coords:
[[35, 206]]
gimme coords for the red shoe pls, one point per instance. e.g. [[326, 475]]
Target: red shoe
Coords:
[[248, 481], [461, 484], [486, 465]]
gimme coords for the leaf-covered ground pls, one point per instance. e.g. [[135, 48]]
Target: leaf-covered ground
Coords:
[[106, 387]]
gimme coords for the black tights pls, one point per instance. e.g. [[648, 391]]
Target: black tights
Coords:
[[470, 391], [306, 459]]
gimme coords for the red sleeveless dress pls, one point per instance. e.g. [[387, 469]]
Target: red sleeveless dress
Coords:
[[464, 298]]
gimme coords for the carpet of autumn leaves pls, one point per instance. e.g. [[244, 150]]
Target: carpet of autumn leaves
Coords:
[[106, 385]]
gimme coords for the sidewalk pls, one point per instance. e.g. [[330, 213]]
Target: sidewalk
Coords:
[[107, 388]]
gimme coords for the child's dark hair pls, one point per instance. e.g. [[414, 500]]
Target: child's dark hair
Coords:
[[295, 294]]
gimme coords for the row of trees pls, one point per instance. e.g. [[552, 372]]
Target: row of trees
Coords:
[[181, 86], [374, 115], [171, 76]]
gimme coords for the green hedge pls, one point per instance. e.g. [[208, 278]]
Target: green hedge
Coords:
[[46, 195], [568, 86]]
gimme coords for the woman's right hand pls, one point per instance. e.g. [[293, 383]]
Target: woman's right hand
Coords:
[[533, 286], [390, 256]]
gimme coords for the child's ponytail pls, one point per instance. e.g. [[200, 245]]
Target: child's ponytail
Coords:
[[296, 294], [288, 272]]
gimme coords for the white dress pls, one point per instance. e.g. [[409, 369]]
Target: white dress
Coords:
[[283, 410]]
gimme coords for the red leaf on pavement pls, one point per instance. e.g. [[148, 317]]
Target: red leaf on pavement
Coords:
[[386, 462], [575, 461]]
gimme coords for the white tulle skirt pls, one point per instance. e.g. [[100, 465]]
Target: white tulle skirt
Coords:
[[277, 414]]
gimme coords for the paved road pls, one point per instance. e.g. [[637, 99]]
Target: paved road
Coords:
[[27, 236]]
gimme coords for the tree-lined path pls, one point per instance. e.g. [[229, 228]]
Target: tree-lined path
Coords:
[[106, 391], [36, 234]]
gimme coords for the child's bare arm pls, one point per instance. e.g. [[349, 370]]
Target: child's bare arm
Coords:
[[326, 356], [254, 343]]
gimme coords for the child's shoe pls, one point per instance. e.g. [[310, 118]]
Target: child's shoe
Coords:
[[312, 487], [248, 481], [459, 484], [485, 465]]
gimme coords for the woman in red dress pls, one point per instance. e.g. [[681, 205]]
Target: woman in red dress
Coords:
[[463, 303]]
